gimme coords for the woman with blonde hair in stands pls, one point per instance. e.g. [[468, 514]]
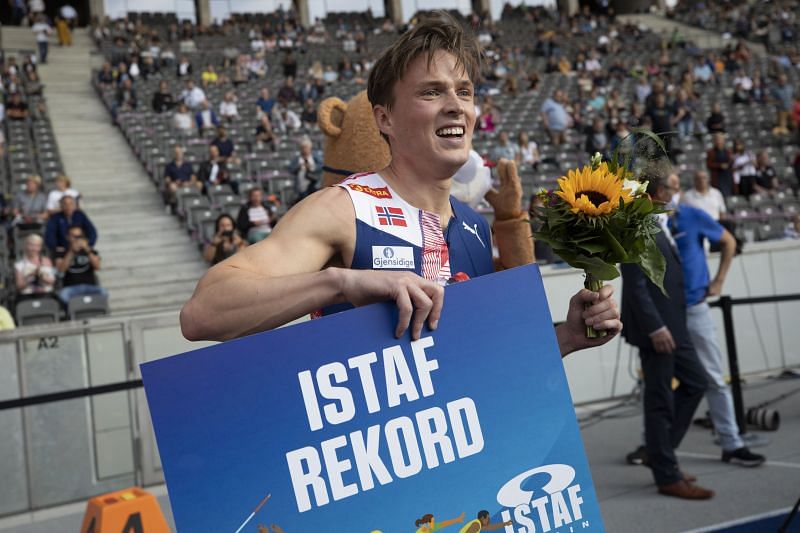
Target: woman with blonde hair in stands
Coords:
[[34, 272], [63, 188]]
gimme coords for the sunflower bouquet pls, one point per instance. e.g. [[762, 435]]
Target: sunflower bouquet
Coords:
[[599, 216]]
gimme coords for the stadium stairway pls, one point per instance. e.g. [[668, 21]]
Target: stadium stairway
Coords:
[[148, 260], [701, 37]]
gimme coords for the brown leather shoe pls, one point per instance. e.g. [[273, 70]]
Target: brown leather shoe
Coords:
[[686, 490], [688, 477]]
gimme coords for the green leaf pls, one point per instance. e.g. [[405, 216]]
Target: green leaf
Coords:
[[616, 248], [654, 265], [593, 265]]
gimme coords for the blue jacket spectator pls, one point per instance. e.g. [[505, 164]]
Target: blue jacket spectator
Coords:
[[56, 234], [264, 102], [206, 118]]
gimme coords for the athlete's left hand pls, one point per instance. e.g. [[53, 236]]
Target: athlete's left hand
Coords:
[[602, 315]]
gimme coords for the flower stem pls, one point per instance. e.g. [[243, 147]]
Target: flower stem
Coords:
[[593, 284]]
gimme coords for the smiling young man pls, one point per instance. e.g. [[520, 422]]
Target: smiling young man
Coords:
[[395, 234]]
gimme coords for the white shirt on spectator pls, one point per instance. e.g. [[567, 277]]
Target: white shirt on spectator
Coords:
[[228, 109], [745, 82], [257, 45], [193, 98], [743, 165], [182, 121], [42, 31], [712, 202], [592, 65], [529, 153], [259, 218], [54, 197], [183, 68], [292, 121]]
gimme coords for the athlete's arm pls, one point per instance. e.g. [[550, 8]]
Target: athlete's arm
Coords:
[[280, 278]]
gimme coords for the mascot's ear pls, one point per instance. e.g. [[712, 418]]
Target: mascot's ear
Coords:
[[330, 116]]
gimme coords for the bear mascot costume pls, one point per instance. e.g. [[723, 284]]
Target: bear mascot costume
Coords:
[[353, 144]]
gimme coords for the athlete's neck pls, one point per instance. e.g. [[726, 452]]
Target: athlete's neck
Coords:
[[429, 193]]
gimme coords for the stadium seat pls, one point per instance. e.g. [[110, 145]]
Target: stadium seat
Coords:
[[87, 306], [42, 310]]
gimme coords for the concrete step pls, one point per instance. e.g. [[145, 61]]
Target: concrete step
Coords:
[[166, 256], [176, 291]]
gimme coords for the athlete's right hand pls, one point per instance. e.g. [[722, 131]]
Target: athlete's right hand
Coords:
[[417, 299]]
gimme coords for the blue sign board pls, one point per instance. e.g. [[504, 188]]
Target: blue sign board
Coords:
[[334, 425]]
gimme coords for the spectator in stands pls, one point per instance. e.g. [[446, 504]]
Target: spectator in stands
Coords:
[[184, 67], [34, 272], [504, 149], [56, 235], [716, 120], [642, 89], [214, 171], [702, 72], [309, 115], [289, 64], [256, 218], [182, 120], [63, 187], [16, 109], [766, 177], [209, 76], [225, 146], [265, 134], [744, 168], [782, 94], [256, 67], [287, 93], [265, 103], [719, 161], [528, 152], [307, 169], [29, 206], [597, 140], [105, 78], [43, 31], [178, 173], [307, 91], [125, 100], [287, 120], [162, 98], [487, 121], [193, 96], [555, 118], [228, 108], [705, 197], [226, 241], [796, 165], [683, 112], [77, 264], [329, 75], [206, 119], [661, 119]]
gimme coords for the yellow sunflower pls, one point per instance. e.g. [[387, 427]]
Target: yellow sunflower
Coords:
[[594, 192]]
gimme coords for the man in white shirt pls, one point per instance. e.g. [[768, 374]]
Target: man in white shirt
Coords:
[[704, 196], [193, 96], [42, 30]]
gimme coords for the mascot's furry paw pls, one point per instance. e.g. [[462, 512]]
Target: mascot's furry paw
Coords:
[[512, 229], [507, 201]]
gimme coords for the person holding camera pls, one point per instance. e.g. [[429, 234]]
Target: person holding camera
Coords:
[[226, 241], [78, 264], [34, 272]]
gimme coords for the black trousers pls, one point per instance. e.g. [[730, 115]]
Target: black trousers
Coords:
[[668, 413]]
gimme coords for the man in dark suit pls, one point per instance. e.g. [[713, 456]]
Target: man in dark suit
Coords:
[[656, 324]]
